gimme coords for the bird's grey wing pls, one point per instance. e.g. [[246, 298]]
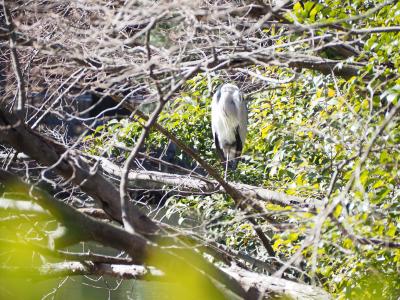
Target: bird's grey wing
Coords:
[[243, 115], [240, 134], [236, 151], [239, 142], [217, 94], [218, 147]]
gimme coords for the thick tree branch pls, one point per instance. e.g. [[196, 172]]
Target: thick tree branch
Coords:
[[287, 59], [188, 185], [21, 206], [258, 286], [267, 286], [65, 255], [74, 268]]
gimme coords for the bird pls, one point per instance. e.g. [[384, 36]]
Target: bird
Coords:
[[229, 118]]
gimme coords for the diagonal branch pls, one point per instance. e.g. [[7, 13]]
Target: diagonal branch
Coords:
[[74, 268]]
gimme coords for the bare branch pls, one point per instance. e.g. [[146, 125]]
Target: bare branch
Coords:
[[21, 206], [187, 185], [74, 268], [375, 30], [20, 107]]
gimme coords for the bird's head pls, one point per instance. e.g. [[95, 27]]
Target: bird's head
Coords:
[[229, 88]]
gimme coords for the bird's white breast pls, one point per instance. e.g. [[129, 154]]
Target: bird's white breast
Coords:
[[225, 118]]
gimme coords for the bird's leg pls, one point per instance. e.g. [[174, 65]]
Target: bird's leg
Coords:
[[226, 165]]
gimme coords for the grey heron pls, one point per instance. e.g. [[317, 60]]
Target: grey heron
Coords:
[[229, 123]]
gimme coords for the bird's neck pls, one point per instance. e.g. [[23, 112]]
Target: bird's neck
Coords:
[[228, 105]]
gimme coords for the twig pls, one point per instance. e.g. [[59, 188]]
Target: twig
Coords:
[[20, 107], [375, 30]]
